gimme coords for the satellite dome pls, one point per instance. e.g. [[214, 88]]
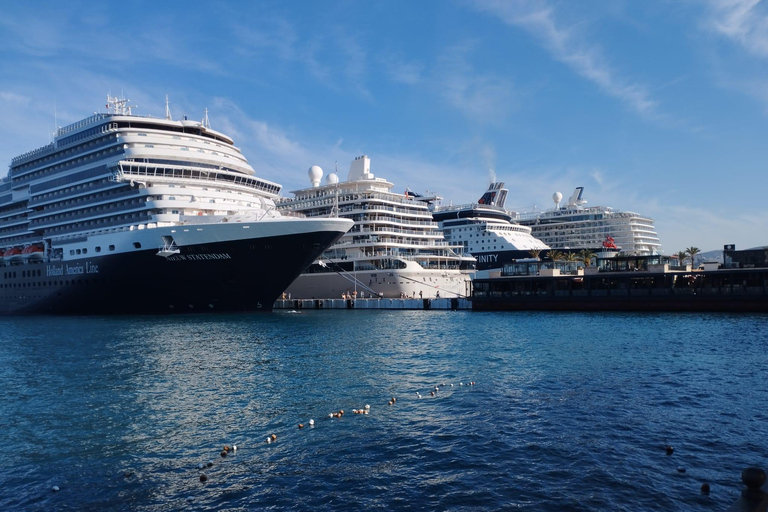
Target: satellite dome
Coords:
[[332, 179], [557, 197], [315, 175]]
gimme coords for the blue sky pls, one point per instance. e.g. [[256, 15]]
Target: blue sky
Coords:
[[658, 107]]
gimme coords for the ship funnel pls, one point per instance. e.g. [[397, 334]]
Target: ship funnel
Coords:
[[360, 169]]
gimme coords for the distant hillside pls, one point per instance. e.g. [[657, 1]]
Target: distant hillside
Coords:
[[710, 256]]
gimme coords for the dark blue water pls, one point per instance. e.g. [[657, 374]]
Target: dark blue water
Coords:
[[569, 411]]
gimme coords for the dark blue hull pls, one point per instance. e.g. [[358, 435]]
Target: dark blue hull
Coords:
[[239, 275]]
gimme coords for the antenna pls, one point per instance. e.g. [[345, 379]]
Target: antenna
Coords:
[[118, 106], [167, 109], [206, 122]]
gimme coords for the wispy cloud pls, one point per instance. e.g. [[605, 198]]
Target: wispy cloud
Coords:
[[335, 58], [568, 46], [484, 97], [742, 21], [402, 71]]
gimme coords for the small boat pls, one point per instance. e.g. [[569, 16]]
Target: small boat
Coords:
[[13, 255], [33, 252]]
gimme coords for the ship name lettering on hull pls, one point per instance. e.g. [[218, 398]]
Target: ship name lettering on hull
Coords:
[[71, 270], [488, 258], [200, 257]]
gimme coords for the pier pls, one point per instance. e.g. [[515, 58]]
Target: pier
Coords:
[[451, 304]]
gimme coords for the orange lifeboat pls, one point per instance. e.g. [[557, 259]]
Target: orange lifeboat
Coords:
[[13, 254], [33, 252]]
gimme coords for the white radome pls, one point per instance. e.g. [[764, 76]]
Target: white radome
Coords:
[[315, 175]]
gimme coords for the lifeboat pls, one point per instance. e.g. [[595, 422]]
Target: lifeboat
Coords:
[[33, 252], [13, 255]]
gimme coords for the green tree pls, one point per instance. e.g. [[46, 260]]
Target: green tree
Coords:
[[555, 255], [586, 256], [535, 253], [681, 256], [571, 256], [692, 252]]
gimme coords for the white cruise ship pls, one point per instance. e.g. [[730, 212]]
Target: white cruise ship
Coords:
[[394, 249], [486, 230], [576, 227], [133, 214]]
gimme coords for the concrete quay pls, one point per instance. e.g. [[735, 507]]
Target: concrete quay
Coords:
[[451, 304]]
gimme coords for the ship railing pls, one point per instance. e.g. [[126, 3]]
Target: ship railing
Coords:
[[182, 174], [35, 153], [80, 124], [470, 206], [408, 243], [346, 197]]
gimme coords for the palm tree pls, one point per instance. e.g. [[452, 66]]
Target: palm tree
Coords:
[[535, 253], [586, 256], [555, 255], [692, 252], [570, 256], [681, 256]]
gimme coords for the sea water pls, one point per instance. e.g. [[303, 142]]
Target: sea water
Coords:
[[525, 411]]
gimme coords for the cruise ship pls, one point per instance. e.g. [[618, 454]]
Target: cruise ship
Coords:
[[575, 227], [486, 230], [135, 214], [395, 249]]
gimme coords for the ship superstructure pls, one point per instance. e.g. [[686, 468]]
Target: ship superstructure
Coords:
[[576, 227], [395, 248], [486, 230]]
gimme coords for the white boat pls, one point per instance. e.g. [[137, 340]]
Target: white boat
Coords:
[[575, 227], [486, 230], [395, 249], [135, 214]]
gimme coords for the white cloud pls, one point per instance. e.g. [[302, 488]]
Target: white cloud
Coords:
[[742, 21], [570, 48], [483, 97]]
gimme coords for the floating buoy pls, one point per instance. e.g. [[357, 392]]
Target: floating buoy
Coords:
[[210, 463], [234, 448], [431, 393], [461, 383], [223, 453], [681, 469], [200, 466], [330, 415], [226, 448], [705, 488], [269, 439], [55, 488], [311, 423], [669, 450], [301, 425], [203, 478], [274, 437], [451, 384], [190, 499]]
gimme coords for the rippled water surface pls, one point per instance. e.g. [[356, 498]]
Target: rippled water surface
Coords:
[[568, 411]]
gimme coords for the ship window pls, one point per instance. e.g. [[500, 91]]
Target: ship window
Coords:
[[98, 248], [85, 251], [137, 245], [71, 252], [111, 247]]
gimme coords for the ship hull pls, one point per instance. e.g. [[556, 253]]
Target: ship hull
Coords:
[[382, 283], [216, 272]]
